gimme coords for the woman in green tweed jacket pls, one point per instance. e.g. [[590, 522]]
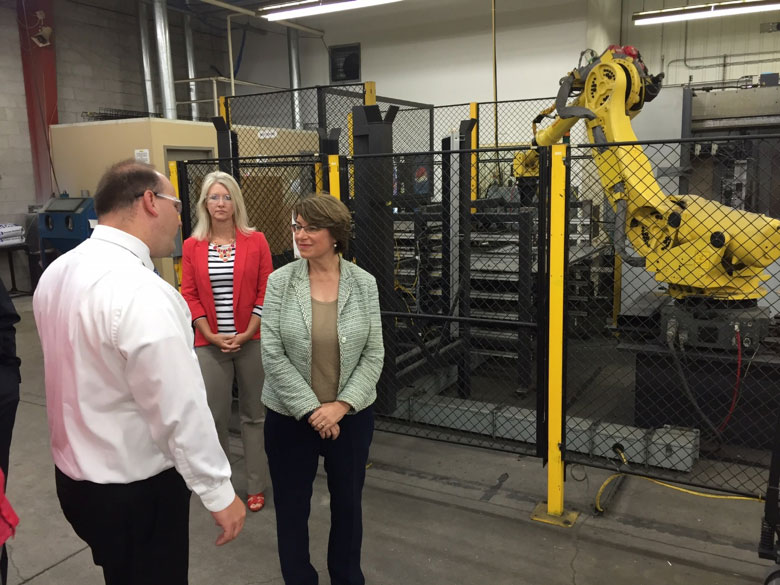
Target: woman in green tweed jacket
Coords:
[[323, 354]]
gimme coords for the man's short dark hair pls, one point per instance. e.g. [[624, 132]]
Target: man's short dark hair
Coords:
[[122, 182]]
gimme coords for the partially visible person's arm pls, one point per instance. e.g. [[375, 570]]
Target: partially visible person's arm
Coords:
[[162, 372], [8, 318]]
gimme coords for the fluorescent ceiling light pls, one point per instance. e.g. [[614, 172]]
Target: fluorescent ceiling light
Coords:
[[323, 9], [699, 11], [287, 5]]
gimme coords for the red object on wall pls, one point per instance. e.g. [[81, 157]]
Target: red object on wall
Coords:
[[40, 87]]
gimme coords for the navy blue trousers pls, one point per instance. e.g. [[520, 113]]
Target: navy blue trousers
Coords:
[[293, 450]]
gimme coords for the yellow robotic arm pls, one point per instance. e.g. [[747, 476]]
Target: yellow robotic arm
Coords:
[[699, 247]]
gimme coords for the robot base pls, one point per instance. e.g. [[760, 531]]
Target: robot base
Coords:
[[713, 324]]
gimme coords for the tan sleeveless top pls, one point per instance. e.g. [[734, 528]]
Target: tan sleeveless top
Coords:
[[324, 350]]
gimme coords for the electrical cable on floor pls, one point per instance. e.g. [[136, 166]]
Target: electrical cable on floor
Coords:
[[614, 476], [619, 474]]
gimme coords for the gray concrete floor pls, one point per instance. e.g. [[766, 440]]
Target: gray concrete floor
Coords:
[[434, 513]]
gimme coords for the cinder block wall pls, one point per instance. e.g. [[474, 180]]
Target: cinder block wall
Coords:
[[98, 65], [17, 186], [99, 58]]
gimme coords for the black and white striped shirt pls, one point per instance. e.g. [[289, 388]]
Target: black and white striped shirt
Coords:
[[221, 276]]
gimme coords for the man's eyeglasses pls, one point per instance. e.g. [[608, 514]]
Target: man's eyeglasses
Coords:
[[309, 229], [214, 198], [176, 201]]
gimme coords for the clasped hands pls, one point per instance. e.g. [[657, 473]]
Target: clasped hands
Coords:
[[229, 343], [325, 420]]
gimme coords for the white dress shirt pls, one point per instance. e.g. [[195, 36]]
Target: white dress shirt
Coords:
[[124, 393]]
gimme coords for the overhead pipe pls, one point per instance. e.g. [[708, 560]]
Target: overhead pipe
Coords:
[[190, 50], [230, 52], [164, 59], [254, 14], [293, 55], [237, 11], [146, 61], [724, 59], [495, 92]]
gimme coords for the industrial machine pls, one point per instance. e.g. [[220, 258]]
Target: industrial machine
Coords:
[[65, 222], [711, 256]]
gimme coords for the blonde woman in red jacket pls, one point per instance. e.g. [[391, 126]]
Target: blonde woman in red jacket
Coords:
[[225, 266]]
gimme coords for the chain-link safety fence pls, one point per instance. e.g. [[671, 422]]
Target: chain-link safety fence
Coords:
[[270, 187], [671, 321], [673, 355], [510, 124], [287, 122], [457, 283]]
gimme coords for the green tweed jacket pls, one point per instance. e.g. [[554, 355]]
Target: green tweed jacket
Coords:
[[286, 339]]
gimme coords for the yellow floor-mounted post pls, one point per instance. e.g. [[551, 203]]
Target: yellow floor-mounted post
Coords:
[[319, 178], [170, 268], [333, 176], [553, 512], [474, 115]]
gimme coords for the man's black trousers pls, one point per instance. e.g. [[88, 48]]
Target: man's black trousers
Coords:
[[138, 532]]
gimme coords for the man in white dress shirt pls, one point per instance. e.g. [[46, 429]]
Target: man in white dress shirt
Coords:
[[130, 427]]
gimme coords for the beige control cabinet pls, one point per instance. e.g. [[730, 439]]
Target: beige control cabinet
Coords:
[[82, 152]]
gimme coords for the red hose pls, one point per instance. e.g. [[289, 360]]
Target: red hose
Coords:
[[736, 384]]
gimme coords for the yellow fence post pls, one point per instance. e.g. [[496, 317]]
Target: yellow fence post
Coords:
[[369, 93], [223, 109], [333, 176], [552, 512], [319, 178], [474, 115], [170, 268]]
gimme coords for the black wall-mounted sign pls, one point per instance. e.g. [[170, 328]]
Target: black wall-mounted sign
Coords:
[[345, 63]]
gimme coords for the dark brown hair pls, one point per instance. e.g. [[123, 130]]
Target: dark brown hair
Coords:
[[122, 182], [327, 212]]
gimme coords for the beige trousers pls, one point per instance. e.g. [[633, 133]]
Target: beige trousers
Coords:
[[218, 369]]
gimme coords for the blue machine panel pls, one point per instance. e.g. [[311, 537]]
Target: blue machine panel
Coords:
[[64, 223]]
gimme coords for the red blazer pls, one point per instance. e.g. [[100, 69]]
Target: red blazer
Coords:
[[250, 274]]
